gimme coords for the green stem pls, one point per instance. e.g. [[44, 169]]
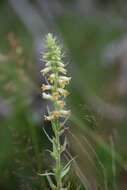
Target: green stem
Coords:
[[58, 160], [57, 128]]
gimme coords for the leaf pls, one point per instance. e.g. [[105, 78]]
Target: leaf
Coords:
[[48, 111], [63, 147], [47, 135], [65, 171], [69, 162], [54, 146], [62, 124], [46, 174], [61, 132], [51, 183]]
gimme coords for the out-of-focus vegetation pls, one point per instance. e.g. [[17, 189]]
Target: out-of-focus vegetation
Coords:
[[95, 42]]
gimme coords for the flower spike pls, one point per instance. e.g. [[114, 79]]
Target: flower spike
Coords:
[[57, 80]]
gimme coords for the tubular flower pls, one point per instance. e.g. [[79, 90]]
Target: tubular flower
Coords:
[[62, 70], [66, 79], [65, 112], [48, 64], [45, 70], [61, 104], [52, 78], [60, 64], [56, 95], [47, 96], [63, 91], [46, 87], [62, 83]]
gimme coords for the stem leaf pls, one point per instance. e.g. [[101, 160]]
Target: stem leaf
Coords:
[[47, 135], [46, 174], [65, 171]]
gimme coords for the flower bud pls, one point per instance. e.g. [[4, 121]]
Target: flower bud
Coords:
[[45, 70], [60, 64], [47, 96], [62, 70]]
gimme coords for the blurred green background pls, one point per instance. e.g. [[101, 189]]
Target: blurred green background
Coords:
[[94, 38]]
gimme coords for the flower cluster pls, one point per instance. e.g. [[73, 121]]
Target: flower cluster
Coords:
[[55, 75]]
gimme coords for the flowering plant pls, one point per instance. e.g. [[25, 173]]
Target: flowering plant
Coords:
[[55, 75]]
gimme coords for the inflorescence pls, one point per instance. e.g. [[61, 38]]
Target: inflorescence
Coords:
[[54, 90], [56, 79]]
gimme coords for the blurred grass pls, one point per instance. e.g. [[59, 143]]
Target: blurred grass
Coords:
[[86, 40]]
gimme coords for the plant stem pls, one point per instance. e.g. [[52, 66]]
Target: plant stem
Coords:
[[58, 158]]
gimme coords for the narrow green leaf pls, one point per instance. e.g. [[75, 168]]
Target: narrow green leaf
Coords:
[[51, 183], [46, 174], [54, 146], [63, 147], [69, 162], [47, 135], [61, 132], [65, 171], [62, 124]]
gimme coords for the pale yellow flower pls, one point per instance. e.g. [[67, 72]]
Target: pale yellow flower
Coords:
[[47, 96], [46, 87], [65, 112], [63, 91], [56, 95], [46, 70], [61, 104], [60, 64], [48, 64], [62, 83], [64, 78], [51, 78], [56, 114], [62, 70]]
